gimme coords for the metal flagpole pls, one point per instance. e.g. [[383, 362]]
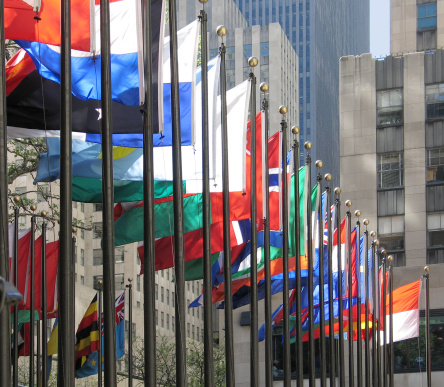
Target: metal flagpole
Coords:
[[427, 330], [130, 332], [367, 307], [297, 250], [331, 321], [149, 262], [285, 298], [206, 214], [32, 304], [5, 332], [375, 320], [17, 201], [359, 300], [267, 270], [99, 311], [109, 287], [179, 248], [44, 304], [309, 252], [321, 217], [384, 317], [254, 341], [351, 365], [391, 359], [379, 313], [229, 352], [340, 289]]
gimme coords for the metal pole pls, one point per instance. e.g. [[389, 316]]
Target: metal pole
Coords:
[[267, 269], [32, 305], [17, 200], [99, 311], [254, 341], [285, 297], [149, 262], [5, 332], [359, 299], [309, 252], [367, 306], [321, 217], [206, 210], [297, 249], [130, 332], [351, 365], [44, 306], [179, 259], [340, 289], [384, 318], [378, 313], [108, 203], [331, 320], [427, 330], [229, 351], [391, 360], [375, 320], [65, 374]]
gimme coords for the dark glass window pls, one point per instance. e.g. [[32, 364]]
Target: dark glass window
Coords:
[[389, 107], [435, 165], [426, 16], [435, 101], [394, 245], [390, 170]]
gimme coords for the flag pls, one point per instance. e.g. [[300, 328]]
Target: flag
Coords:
[[21, 22], [52, 347], [405, 312], [274, 181], [87, 358]]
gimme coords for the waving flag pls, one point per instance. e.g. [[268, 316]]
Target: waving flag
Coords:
[[21, 22]]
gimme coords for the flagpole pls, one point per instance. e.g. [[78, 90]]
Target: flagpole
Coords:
[[309, 252], [358, 294], [130, 332], [297, 251], [427, 330], [285, 299], [264, 87], [340, 289], [391, 360], [375, 322], [229, 351], [44, 304], [206, 213], [254, 341], [351, 359], [331, 320], [384, 319], [5, 333], [66, 362], [367, 306], [32, 305], [17, 201], [149, 268], [321, 227], [379, 314], [99, 311]]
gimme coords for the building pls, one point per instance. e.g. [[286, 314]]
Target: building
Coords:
[[320, 32], [392, 141]]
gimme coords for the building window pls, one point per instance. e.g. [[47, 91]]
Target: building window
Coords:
[[138, 304], [391, 202], [435, 238], [119, 254], [394, 245], [156, 291], [138, 283], [82, 280], [82, 207], [162, 294], [389, 104], [156, 317], [168, 296], [75, 254], [97, 230], [390, 170], [82, 257], [161, 319], [119, 281], [173, 300], [435, 165], [172, 323], [98, 207], [426, 16], [410, 355], [97, 257], [82, 230], [435, 101], [188, 303], [188, 330], [168, 321]]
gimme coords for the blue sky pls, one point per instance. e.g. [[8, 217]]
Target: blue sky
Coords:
[[379, 28]]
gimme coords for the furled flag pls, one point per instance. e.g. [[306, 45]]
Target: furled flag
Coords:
[[39, 21], [87, 338]]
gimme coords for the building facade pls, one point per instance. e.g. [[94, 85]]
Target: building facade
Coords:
[[392, 139]]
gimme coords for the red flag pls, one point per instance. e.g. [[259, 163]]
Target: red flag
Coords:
[[22, 22]]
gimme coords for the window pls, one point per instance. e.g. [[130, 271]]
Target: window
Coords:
[[168, 321], [426, 16], [82, 207], [119, 281], [192, 331], [435, 165], [192, 286], [172, 323], [74, 205], [391, 202], [82, 280], [188, 330], [156, 291], [82, 257], [173, 300], [98, 207], [197, 312], [390, 170], [43, 192], [97, 230], [119, 254], [168, 274], [161, 294], [138, 283], [168, 296], [410, 355], [197, 334], [97, 257], [138, 304], [389, 107], [75, 254], [394, 245], [82, 230], [188, 303], [161, 319], [435, 238], [156, 317], [435, 101]]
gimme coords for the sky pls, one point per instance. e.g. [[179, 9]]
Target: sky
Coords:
[[379, 28]]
